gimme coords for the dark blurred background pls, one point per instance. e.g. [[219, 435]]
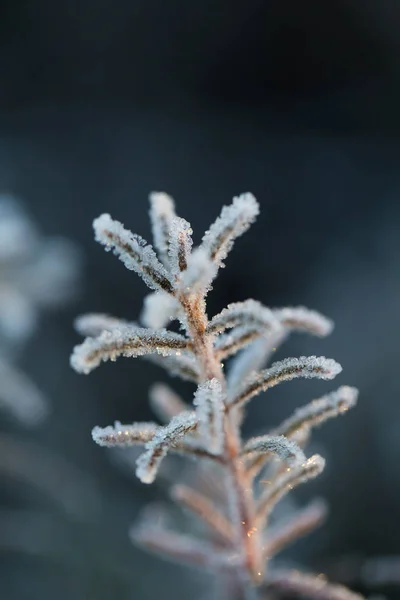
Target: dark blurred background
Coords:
[[102, 102]]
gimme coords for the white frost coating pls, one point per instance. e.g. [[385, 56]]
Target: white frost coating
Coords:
[[124, 435], [285, 449], [136, 254], [159, 309], [93, 324], [128, 341], [307, 367], [247, 313], [304, 320], [318, 411], [20, 397], [233, 221], [162, 211], [149, 462], [165, 402], [200, 272], [180, 245], [209, 402]]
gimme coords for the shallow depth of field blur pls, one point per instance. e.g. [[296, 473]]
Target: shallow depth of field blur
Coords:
[[102, 102]]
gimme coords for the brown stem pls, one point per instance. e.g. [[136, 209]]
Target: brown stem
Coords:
[[247, 538]]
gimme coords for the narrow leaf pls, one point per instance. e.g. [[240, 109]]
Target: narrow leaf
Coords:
[[93, 324], [205, 510], [296, 526], [302, 319], [249, 313], [228, 344], [234, 220], [286, 450], [181, 548], [136, 254], [129, 342], [162, 211], [210, 409], [124, 435], [306, 367], [318, 411], [156, 449], [283, 483], [180, 245]]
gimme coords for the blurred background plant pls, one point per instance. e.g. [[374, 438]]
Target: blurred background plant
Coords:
[[297, 102]]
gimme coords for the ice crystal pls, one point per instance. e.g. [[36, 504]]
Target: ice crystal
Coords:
[[236, 504]]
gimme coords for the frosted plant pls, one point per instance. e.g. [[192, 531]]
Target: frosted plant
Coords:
[[240, 540], [35, 273]]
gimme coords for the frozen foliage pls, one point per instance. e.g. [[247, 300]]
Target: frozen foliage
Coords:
[[235, 505], [36, 272]]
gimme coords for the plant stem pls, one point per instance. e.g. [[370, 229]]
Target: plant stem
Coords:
[[247, 539]]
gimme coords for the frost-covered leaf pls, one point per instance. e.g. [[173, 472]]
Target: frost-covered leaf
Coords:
[[124, 435], [234, 220], [210, 410], [249, 313], [180, 245], [93, 324], [156, 449], [203, 508], [129, 342], [307, 367], [200, 272], [285, 449], [318, 411], [280, 485], [302, 319], [308, 586], [136, 254], [165, 402], [162, 211], [294, 527], [228, 344], [159, 310]]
